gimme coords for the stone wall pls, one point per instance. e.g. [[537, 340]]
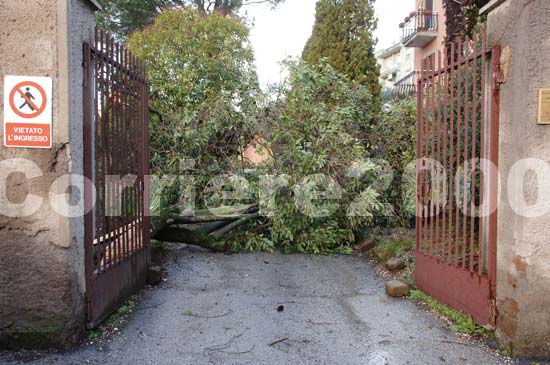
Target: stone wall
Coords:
[[42, 282], [522, 28]]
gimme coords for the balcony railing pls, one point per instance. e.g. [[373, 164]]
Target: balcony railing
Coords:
[[421, 24], [388, 70]]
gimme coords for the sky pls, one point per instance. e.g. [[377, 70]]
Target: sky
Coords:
[[283, 32]]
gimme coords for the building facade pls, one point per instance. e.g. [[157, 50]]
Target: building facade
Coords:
[[396, 65], [424, 30]]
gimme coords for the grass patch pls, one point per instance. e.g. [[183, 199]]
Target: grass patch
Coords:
[[394, 247], [94, 335], [399, 246], [504, 351], [407, 275], [460, 322], [157, 248], [113, 322], [122, 311]]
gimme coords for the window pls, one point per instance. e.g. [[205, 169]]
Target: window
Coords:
[[429, 4]]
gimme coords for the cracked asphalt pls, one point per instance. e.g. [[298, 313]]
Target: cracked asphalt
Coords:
[[225, 309]]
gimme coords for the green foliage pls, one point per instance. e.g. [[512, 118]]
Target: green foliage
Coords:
[[156, 248], [395, 247], [123, 310], [316, 141], [398, 245], [505, 351], [394, 138], [343, 250], [251, 242], [461, 323], [94, 335], [114, 321], [124, 17], [462, 18], [207, 106], [342, 33], [127, 307], [203, 86]]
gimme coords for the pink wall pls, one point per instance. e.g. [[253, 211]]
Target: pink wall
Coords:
[[438, 43], [256, 152]]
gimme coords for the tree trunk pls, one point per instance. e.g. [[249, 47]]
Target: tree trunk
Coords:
[[204, 228], [191, 237], [231, 226]]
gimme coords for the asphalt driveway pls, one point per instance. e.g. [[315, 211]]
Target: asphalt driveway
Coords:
[[275, 309]]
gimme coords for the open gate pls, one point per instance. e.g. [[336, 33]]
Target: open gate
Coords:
[[457, 183], [116, 162]]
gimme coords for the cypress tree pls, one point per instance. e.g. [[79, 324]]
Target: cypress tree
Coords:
[[343, 33]]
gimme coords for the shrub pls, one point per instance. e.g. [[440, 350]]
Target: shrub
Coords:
[[203, 87], [394, 141], [319, 148]]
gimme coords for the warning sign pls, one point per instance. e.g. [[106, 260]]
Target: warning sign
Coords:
[[27, 111]]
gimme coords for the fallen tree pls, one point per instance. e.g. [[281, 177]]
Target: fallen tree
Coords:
[[209, 228]]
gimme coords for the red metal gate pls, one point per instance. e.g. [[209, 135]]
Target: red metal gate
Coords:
[[116, 161], [457, 179]]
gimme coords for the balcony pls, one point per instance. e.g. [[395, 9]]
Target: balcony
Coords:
[[419, 28], [388, 71]]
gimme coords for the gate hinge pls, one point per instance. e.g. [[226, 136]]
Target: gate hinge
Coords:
[[86, 62], [493, 315], [88, 309], [499, 78]]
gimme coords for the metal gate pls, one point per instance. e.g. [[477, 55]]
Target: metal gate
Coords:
[[457, 181], [116, 162]]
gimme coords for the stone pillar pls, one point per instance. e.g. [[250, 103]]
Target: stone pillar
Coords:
[[522, 28], [42, 283]]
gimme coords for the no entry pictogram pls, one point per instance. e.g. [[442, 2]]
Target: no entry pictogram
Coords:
[[33, 99], [28, 111]]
